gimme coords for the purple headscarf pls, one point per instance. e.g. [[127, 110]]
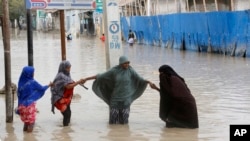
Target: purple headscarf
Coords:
[[61, 80]]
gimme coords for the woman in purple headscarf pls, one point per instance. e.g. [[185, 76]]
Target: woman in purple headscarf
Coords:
[[177, 105], [28, 92], [62, 91]]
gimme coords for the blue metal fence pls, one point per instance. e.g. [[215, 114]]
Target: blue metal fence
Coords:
[[218, 32]]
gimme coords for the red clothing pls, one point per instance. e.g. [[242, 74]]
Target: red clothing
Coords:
[[62, 103], [28, 113], [103, 38]]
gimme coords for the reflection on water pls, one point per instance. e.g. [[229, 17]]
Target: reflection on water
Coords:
[[63, 134], [118, 132], [178, 134], [10, 134], [29, 137], [219, 83]]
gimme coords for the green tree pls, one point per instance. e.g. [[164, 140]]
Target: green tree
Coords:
[[16, 9]]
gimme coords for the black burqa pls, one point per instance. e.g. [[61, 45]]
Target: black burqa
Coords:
[[177, 105]]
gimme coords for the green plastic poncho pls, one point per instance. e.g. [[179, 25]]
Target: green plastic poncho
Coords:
[[119, 87]]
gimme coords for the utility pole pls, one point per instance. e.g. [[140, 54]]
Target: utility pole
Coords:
[[63, 44], [29, 38], [9, 101]]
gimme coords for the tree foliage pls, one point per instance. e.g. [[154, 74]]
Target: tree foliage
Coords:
[[16, 8]]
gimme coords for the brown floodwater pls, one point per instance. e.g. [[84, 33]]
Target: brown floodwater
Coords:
[[220, 85]]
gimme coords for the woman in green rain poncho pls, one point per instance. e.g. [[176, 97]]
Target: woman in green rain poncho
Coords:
[[119, 87]]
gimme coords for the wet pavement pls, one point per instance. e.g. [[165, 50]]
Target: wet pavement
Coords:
[[219, 83]]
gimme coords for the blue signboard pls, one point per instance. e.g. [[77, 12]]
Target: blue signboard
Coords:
[[60, 4]]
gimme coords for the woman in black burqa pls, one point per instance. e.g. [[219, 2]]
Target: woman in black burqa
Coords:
[[177, 104]]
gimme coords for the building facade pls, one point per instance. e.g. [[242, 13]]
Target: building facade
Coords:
[[160, 7]]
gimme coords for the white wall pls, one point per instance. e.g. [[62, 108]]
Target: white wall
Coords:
[[74, 21], [168, 6], [241, 4], [179, 6]]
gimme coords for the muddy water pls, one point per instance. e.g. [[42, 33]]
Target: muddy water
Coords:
[[219, 83]]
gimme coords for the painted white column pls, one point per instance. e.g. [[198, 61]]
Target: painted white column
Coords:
[[248, 5], [187, 6], [158, 8], [194, 5], [148, 7], [131, 10], [37, 20], [113, 44], [204, 4], [232, 5], [216, 5], [140, 7], [167, 7], [176, 6]]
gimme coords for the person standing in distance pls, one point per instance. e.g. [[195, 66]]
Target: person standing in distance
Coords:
[[102, 37], [131, 38]]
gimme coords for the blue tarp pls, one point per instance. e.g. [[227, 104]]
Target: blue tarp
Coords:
[[219, 32]]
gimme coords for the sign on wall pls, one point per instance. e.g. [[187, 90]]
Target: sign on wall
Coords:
[[60, 4]]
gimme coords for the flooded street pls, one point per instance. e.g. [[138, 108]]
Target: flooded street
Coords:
[[219, 83]]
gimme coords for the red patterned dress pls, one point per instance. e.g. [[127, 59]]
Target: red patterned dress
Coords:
[[62, 103]]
